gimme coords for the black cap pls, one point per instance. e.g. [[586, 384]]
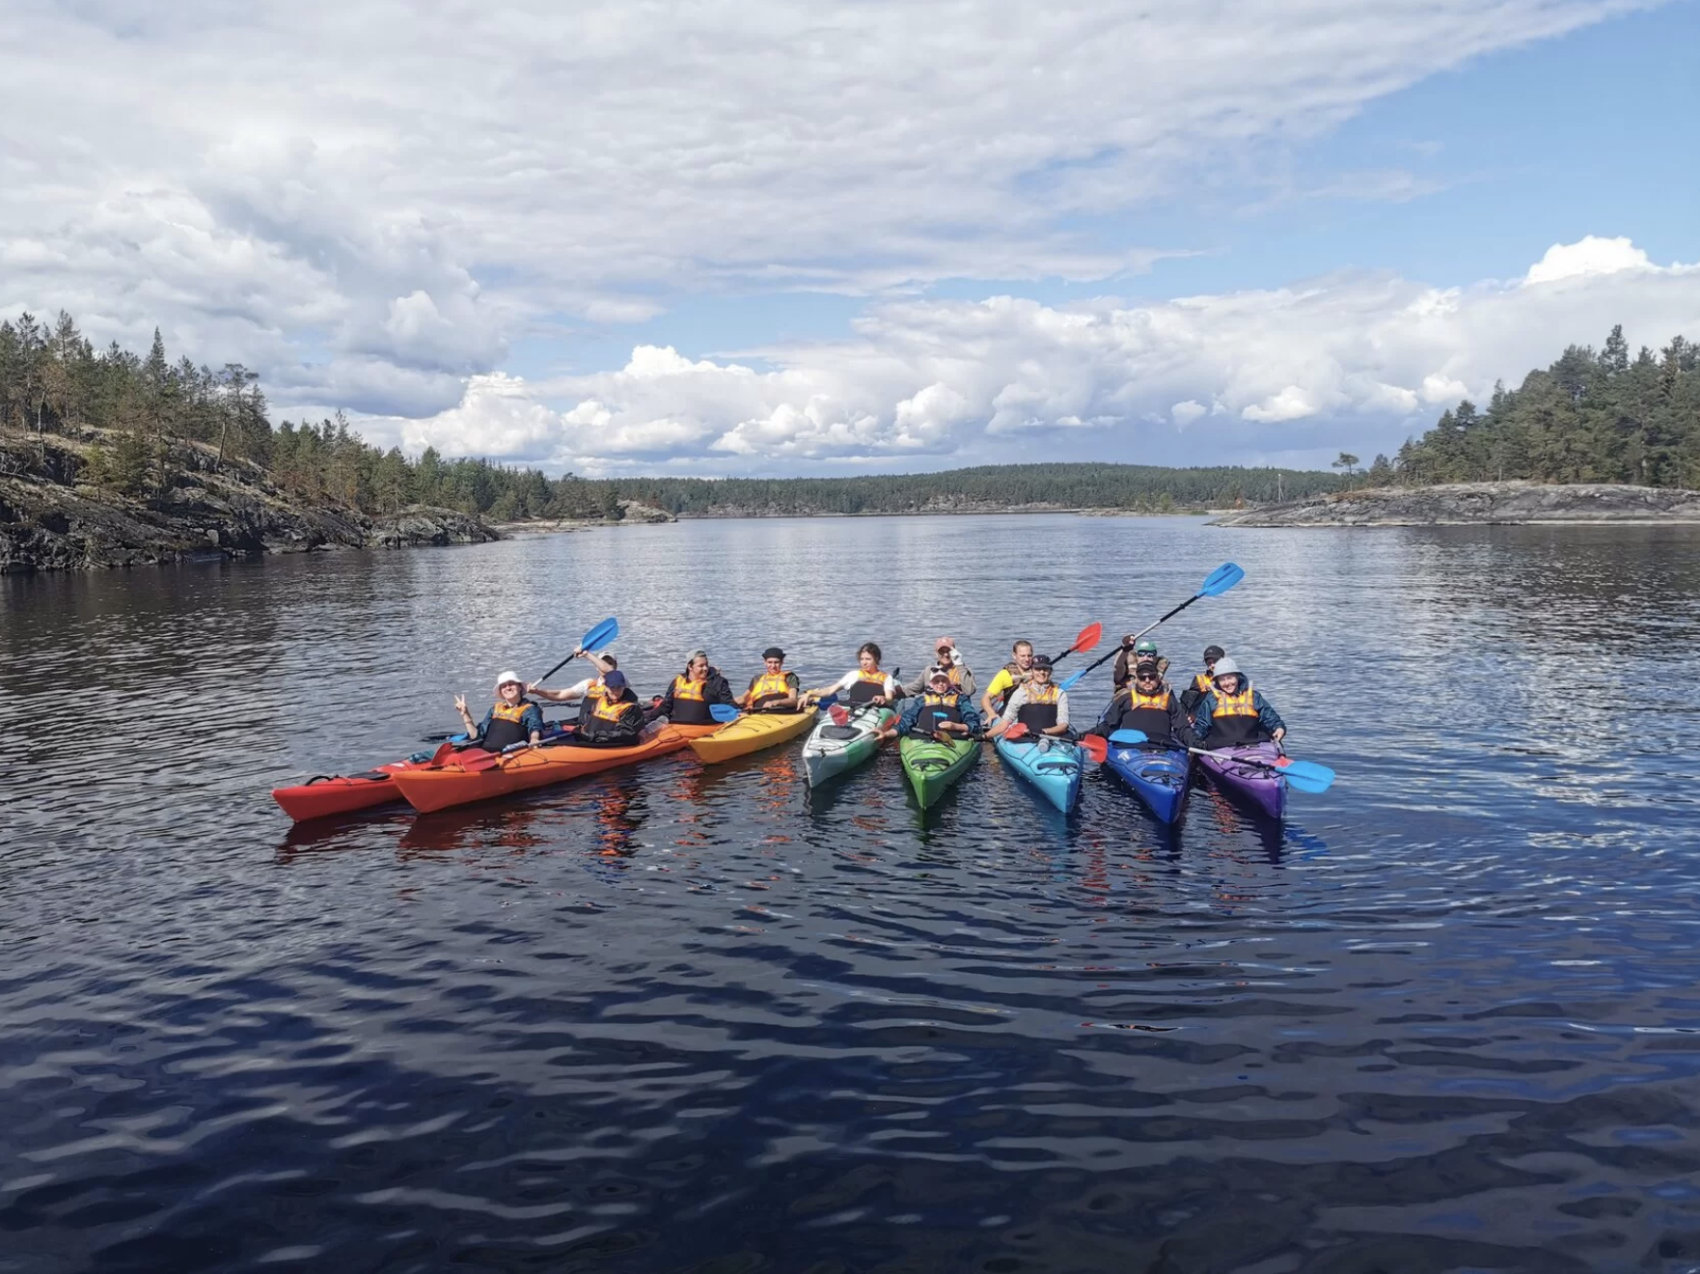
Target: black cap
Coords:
[[1146, 666], [1041, 661], [773, 652], [1213, 652]]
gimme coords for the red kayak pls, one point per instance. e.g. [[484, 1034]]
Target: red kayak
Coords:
[[328, 794], [325, 795]]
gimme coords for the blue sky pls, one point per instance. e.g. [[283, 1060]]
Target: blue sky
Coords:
[[773, 237], [1511, 153]]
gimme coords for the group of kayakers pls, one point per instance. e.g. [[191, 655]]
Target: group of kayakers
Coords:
[[1218, 708]]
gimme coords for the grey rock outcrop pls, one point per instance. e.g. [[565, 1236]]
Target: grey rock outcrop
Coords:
[[1473, 503], [50, 519]]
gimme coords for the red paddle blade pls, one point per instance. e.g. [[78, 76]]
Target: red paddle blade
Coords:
[[838, 714], [475, 760], [1089, 638], [1096, 748], [1016, 731], [443, 753]]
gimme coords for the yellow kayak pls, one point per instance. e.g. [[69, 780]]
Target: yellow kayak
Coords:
[[751, 733]]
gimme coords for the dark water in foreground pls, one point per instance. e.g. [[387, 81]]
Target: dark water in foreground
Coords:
[[684, 1019]]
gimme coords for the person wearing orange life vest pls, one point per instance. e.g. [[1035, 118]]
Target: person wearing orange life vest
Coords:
[[613, 719], [692, 693], [1147, 704], [512, 719], [774, 689], [866, 684], [1202, 684], [1039, 704], [956, 667], [941, 710], [589, 688], [1233, 713]]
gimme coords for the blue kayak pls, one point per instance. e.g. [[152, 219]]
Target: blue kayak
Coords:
[[1158, 775], [1052, 765]]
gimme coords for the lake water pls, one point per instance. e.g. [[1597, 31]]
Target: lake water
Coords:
[[680, 1018]]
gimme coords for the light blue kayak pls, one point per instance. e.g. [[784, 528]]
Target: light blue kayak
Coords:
[[1051, 765]]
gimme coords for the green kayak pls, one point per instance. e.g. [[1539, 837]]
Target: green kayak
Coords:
[[932, 766]]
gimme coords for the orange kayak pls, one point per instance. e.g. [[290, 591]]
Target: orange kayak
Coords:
[[450, 785]]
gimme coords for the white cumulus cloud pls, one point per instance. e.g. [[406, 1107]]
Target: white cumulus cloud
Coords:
[[314, 187], [1357, 360]]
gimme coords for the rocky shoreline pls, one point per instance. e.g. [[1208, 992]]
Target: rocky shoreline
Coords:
[[52, 519], [1482, 503]]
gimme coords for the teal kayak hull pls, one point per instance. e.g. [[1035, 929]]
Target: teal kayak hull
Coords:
[[1051, 765]]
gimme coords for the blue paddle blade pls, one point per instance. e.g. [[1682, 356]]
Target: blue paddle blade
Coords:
[[828, 702], [1220, 580], [723, 712], [1130, 738], [601, 635], [1070, 680], [1307, 776]]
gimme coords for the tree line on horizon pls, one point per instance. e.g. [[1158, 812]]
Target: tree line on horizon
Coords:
[[1590, 417]]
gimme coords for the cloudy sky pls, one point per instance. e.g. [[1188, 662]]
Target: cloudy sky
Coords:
[[875, 235]]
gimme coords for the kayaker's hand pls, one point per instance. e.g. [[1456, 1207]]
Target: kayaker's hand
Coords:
[[878, 701], [460, 704], [1127, 641], [1280, 734]]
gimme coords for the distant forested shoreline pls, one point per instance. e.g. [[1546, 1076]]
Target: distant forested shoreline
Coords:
[[138, 427]]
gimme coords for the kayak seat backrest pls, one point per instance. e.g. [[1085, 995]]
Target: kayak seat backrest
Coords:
[[840, 732], [369, 774]]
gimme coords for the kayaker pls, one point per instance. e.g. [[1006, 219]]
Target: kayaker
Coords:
[[512, 718], [1038, 703], [1201, 684], [613, 719], [950, 659], [1148, 704], [589, 688], [692, 693], [866, 684], [1010, 676], [774, 690], [1233, 713], [940, 709], [1128, 657]]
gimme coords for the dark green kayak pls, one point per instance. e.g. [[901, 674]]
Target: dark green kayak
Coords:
[[932, 766]]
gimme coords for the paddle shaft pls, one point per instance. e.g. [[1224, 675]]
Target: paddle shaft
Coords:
[[1128, 645]]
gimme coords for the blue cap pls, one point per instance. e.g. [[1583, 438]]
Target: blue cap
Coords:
[[615, 680]]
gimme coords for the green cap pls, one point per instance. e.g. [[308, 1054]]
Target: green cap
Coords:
[[1146, 647]]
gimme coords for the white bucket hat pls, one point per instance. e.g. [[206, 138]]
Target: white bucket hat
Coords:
[[508, 676], [1225, 667]]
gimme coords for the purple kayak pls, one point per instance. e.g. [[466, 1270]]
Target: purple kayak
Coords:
[[1256, 785]]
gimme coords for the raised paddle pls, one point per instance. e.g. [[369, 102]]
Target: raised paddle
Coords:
[[1215, 584], [1306, 776], [596, 639], [1089, 638]]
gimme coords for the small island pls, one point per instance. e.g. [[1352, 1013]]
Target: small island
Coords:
[[1478, 503]]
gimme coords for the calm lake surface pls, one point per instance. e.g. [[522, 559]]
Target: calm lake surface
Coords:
[[680, 1018]]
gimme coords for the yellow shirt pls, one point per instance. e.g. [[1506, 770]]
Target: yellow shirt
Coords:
[[1002, 684]]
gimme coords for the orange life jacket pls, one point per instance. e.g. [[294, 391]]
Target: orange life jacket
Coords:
[[685, 688], [1039, 713], [1238, 705], [769, 686]]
